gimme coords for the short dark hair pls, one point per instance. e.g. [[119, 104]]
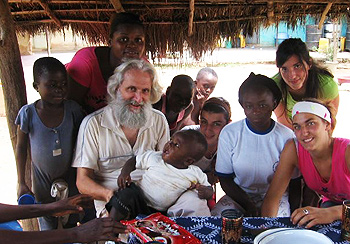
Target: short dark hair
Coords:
[[197, 140], [46, 65], [256, 82], [182, 80], [122, 19], [218, 105]]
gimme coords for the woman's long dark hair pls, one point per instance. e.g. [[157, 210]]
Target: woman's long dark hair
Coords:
[[295, 46]]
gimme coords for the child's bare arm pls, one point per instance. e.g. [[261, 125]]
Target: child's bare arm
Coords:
[[21, 159], [204, 192], [124, 177]]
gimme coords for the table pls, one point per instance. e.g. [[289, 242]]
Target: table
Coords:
[[208, 229]]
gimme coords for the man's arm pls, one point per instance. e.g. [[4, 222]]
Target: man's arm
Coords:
[[87, 185]]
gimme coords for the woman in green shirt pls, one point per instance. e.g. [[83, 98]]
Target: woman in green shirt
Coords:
[[300, 77]]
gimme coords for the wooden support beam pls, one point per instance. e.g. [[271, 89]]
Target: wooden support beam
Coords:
[[324, 14], [190, 18], [50, 13], [270, 12], [117, 6], [68, 21], [13, 85]]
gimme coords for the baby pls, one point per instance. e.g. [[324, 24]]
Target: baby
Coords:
[[167, 175]]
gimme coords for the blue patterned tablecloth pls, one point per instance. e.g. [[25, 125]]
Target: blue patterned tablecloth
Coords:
[[208, 229]]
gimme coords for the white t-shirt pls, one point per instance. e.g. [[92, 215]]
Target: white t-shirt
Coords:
[[249, 157], [162, 183], [103, 146]]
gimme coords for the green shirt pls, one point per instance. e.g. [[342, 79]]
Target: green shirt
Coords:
[[328, 90]]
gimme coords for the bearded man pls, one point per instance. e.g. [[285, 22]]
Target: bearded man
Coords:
[[127, 126]]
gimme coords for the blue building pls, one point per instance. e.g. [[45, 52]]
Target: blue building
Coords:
[[309, 33]]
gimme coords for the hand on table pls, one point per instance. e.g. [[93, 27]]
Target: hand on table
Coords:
[[102, 229], [310, 216]]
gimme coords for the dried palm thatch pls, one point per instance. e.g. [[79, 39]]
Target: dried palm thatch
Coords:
[[171, 25]]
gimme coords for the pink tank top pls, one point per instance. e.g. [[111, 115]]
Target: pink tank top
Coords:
[[337, 188]]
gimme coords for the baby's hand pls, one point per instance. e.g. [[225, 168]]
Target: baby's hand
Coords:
[[204, 192], [193, 185], [123, 181], [200, 97]]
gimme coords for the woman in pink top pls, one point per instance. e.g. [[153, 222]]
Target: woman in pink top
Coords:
[[324, 162], [91, 67]]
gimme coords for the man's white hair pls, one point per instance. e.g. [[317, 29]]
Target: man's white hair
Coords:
[[138, 64]]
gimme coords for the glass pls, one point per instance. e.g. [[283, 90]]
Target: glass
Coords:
[[345, 226], [232, 220]]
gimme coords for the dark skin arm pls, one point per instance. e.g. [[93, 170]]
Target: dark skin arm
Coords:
[[204, 192], [180, 124], [238, 195], [98, 229], [198, 101], [21, 159], [124, 178], [77, 92], [69, 205]]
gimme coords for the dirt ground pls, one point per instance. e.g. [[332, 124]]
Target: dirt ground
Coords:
[[239, 64]]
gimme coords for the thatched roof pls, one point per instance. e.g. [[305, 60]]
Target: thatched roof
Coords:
[[170, 24]]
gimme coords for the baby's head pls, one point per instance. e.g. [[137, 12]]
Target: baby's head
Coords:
[[206, 81], [259, 96], [49, 69], [180, 93], [184, 148]]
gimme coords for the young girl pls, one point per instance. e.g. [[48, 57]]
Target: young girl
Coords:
[[176, 103], [91, 67], [300, 77], [249, 150], [205, 84], [50, 125], [324, 162]]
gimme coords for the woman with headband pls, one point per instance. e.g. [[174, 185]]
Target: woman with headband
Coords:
[[323, 161]]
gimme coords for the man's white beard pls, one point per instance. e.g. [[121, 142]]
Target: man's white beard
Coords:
[[128, 118]]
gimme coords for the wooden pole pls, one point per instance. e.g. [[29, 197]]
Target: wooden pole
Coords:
[[190, 18], [50, 13], [270, 12], [335, 39], [12, 78], [324, 14], [48, 41], [118, 7]]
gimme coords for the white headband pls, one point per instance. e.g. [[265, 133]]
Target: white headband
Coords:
[[312, 108]]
